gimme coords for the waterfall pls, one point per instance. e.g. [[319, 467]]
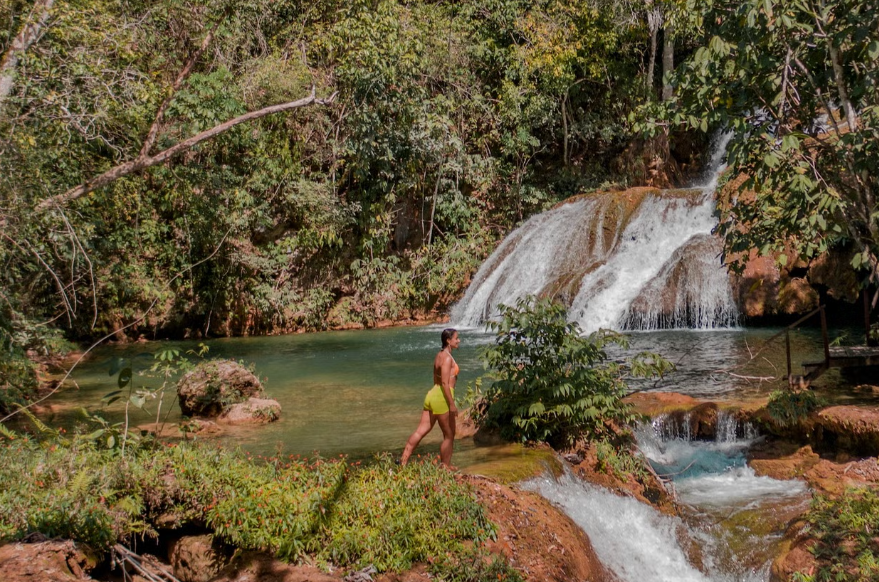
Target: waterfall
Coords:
[[639, 260], [731, 519]]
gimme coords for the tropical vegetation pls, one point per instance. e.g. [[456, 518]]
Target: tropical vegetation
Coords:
[[550, 383], [331, 512]]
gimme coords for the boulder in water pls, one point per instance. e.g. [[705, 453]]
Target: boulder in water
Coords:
[[214, 386], [252, 411]]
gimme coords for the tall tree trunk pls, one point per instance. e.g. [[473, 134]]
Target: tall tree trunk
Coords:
[[668, 62], [654, 23], [565, 156], [30, 31], [839, 79]]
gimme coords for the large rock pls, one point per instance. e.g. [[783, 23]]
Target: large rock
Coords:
[[196, 558], [253, 411], [46, 561], [214, 386]]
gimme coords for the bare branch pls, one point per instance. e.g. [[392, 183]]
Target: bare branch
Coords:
[[143, 162], [153, 133]]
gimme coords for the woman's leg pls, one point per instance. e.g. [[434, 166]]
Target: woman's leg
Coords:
[[447, 424], [427, 421]]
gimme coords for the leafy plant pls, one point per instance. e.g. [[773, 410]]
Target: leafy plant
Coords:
[[844, 528], [620, 461], [788, 407], [553, 384], [327, 511]]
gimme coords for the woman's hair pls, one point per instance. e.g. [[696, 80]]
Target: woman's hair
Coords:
[[447, 335]]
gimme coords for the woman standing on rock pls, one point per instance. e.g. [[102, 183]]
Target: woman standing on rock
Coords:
[[439, 404]]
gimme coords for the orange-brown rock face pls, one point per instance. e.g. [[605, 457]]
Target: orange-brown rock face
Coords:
[[47, 561], [765, 289], [540, 541]]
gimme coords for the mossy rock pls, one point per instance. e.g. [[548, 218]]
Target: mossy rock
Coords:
[[214, 386]]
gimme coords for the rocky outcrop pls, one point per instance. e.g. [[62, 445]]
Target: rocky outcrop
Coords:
[[214, 385], [538, 539], [764, 288], [46, 561], [227, 391]]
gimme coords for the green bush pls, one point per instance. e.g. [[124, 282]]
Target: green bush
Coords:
[[551, 383], [327, 511], [787, 407], [845, 530], [393, 516]]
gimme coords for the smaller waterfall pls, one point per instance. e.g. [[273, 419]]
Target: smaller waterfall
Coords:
[[732, 521], [680, 426]]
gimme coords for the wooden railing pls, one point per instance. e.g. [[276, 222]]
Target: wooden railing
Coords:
[[824, 337]]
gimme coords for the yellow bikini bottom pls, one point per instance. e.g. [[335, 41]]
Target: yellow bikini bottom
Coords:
[[435, 401]]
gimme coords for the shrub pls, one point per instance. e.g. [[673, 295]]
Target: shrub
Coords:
[[553, 384], [787, 407], [392, 516]]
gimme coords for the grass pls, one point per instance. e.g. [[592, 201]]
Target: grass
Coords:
[[328, 512]]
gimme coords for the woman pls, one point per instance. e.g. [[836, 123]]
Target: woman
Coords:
[[439, 404]]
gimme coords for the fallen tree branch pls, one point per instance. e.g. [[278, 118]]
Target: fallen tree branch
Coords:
[[152, 572], [145, 161]]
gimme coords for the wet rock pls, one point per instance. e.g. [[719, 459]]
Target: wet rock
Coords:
[[213, 386], [253, 411], [656, 403], [46, 561], [196, 558], [794, 557]]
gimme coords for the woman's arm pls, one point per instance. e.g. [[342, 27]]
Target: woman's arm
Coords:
[[448, 382]]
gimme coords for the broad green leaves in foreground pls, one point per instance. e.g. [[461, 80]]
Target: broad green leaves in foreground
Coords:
[[551, 383]]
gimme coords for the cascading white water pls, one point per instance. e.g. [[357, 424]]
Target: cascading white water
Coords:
[[733, 516], [656, 267]]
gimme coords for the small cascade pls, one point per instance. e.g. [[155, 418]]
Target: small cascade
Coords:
[[682, 426], [640, 260], [731, 521]]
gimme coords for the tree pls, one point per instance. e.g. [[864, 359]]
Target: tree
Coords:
[[797, 84]]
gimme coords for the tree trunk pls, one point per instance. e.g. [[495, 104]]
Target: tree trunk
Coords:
[[565, 156], [654, 22], [668, 62], [839, 78], [29, 33]]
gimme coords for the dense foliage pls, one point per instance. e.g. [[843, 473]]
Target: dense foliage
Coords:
[[797, 85], [451, 122], [845, 530], [333, 512], [552, 384]]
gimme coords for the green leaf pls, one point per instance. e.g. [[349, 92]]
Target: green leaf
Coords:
[[124, 377]]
